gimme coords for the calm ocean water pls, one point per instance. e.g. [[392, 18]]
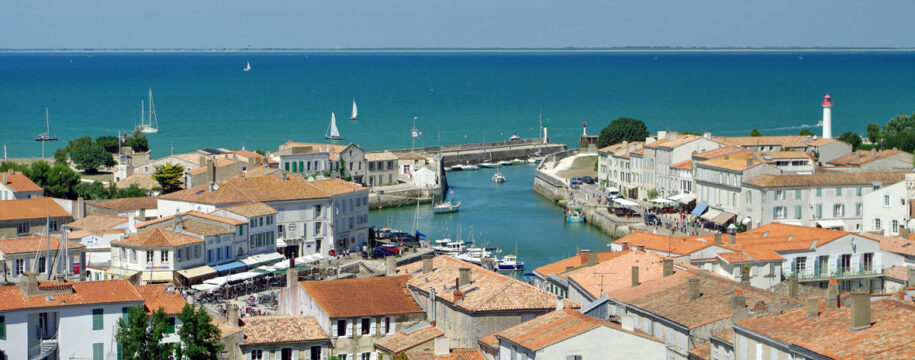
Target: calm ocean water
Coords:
[[206, 100]]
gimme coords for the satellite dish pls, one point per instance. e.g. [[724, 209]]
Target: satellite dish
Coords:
[[215, 187]]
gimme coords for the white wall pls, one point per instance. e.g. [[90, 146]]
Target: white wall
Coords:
[[875, 208], [605, 343]]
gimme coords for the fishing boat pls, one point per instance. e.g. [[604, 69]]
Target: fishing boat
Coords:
[[498, 178], [574, 216], [514, 137], [446, 207], [448, 247], [505, 163], [46, 136], [509, 263], [332, 132], [149, 123], [488, 165], [355, 111], [247, 66]]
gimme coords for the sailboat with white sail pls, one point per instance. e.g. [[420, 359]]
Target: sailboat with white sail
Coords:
[[355, 111], [46, 136], [332, 132], [247, 66], [149, 123]]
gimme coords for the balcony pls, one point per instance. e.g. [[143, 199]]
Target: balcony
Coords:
[[44, 350], [814, 275]]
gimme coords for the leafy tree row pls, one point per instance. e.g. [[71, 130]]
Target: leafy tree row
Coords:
[[140, 335], [61, 181]]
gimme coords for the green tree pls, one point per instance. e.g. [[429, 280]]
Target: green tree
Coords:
[[58, 180], [85, 140], [755, 132], [199, 337], [132, 191], [9, 165], [140, 335], [60, 156], [806, 132], [92, 191], [899, 133], [89, 157], [622, 129], [137, 142], [873, 133], [851, 138], [169, 177], [111, 143]]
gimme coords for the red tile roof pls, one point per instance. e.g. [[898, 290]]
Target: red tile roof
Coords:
[[555, 327], [616, 273], [456, 354], [685, 165], [825, 179], [136, 203], [20, 183], [36, 208], [190, 215], [84, 293], [830, 334], [248, 189], [33, 244], [157, 237], [281, 329], [251, 210], [335, 186], [157, 296], [400, 341], [859, 158], [893, 244], [97, 222], [576, 261], [349, 298], [703, 352]]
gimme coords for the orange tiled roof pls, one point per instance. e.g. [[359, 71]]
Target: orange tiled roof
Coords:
[[157, 296], [685, 165], [788, 141], [719, 152], [826, 179], [275, 329], [829, 334], [333, 148], [489, 341], [411, 156], [487, 291], [248, 189], [786, 155], [616, 273], [345, 298], [898, 272], [400, 341], [859, 157], [703, 352], [36, 208], [20, 183], [204, 229], [137, 203], [337, 186], [84, 293], [734, 257], [726, 335], [666, 297], [143, 181], [680, 245], [220, 163], [680, 140], [554, 327], [251, 210], [191, 214], [893, 244], [380, 156], [157, 237], [456, 354], [97, 222], [33, 244], [578, 260], [737, 161]]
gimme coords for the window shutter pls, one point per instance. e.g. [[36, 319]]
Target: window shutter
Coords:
[[295, 354], [334, 328], [786, 267], [855, 262], [832, 264], [372, 327], [878, 264], [374, 356], [391, 326], [810, 263], [349, 328]]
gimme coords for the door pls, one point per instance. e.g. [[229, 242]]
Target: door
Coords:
[[286, 354]]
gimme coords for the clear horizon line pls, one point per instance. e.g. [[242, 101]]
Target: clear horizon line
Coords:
[[470, 49]]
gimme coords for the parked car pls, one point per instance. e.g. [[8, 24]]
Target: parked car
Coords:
[[403, 237], [587, 180], [652, 219], [391, 247], [381, 251]]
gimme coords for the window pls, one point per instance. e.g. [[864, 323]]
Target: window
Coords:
[[22, 228], [886, 201], [366, 326], [800, 264], [858, 209], [845, 263], [366, 356], [838, 191], [19, 266], [779, 212], [372, 166], [341, 328], [317, 228], [779, 194], [343, 356], [819, 192], [149, 256], [895, 226], [867, 261], [315, 353], [258, 354], [97, 318], [252, 223], [838, 210], [261, 221], [53, 225], [170, 326], [41, 265], [858, 191], [2, 327], [164, 256], [797, 194], [797, 211], [877, 225], [387, 325], [98, 351], [819, 210], [286, 354], [197, 251], [251, 242], [241, 230], [573, 357]]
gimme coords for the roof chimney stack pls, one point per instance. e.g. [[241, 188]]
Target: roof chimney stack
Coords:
[[427, 264], [792, 287], [464, 276], [668, 265], [292, 275], [739, 309], [692, 289], [4, 179], [390, 267], [745, 274], [732, 239], [625, 245], [911, 277], [641, 247], [813, 307], [635, 276], [232, 315], [717, 238], [860, 310], [832, 294], [592, 258], [903, 232], [458, 295]]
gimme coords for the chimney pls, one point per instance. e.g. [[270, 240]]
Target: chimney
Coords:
[[668, 265], [739, 309], [283, 175], [80, 208], [201, 160], [873, 152], [717, 238], [131, 223], [592, 258], [707, 135], [458, 295], [911, 277], [390, 267], [792, 287], [635, 276], [569, 268], [832, 294], [692, 289], [641, 247], [745, 274], [232, 315], [4, 179], [211, 170], [427, 264], [749, 162], [860, 310], [28, 284], [583, 256], [464, 276], [904, 232], [813, 307], [732, 239], [292, 275]]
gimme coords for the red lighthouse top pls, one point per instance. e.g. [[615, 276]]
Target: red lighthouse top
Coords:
[[827, 101]]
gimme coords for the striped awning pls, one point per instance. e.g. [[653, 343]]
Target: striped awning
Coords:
[[197, 272]]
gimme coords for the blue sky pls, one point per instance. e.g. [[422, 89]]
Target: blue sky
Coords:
[[467, 23]]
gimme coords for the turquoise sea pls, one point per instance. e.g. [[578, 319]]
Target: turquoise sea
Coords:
[[206, 100]]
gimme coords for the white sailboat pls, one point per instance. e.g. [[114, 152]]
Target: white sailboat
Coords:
[[355, 111], [332, 132], [498, 178], [149, 123], [247, 66]]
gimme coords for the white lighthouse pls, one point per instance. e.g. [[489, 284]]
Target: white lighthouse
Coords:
[[827, 117]]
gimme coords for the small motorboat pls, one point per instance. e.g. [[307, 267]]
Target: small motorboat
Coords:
[[488, 165], [446, 207], [505, 163], [514, 137], [498, 178], [509, 263], [448, 247]]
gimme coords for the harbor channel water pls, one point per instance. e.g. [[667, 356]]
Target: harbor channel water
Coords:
[[500, 215]]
